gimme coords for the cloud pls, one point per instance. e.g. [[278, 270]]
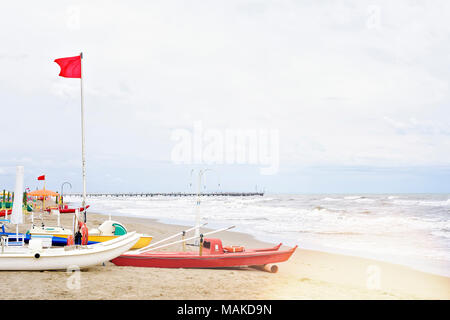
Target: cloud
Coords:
[[346, 83], [414, 126]]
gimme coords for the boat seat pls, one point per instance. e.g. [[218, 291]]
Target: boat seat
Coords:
[[119, 230], [213, 244], [113, 228]]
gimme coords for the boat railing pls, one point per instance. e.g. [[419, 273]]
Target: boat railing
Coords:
[[19, 237], [5, 243], [20, 240]]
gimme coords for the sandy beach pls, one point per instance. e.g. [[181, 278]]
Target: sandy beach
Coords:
[[307, 275]]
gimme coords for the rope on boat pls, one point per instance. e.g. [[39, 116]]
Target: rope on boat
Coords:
[[170, 237], [191, 238]]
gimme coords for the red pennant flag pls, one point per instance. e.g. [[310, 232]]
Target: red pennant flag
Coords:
[[70, 67], [41, 177]]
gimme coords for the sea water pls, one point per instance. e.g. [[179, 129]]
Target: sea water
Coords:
[[408, 229]]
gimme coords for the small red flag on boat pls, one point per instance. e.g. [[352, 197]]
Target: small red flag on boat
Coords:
[[70, 67], [41, 177]]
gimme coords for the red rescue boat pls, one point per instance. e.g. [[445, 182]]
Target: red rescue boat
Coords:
[[5, 211], [65, 209], [213, 256], [72, 210]]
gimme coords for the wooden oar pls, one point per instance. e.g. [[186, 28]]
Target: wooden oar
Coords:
[[194, 237], [168, 238]]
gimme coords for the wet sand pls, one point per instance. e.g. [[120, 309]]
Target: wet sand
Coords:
[[307, 275]]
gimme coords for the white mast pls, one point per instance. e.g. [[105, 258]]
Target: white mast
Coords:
[[197, 206], [83, 153]]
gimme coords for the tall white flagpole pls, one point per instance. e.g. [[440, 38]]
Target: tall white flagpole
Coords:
[[83, 154]]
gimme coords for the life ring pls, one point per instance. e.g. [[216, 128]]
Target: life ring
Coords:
[[70, 240], [84, 234], [234, 249]]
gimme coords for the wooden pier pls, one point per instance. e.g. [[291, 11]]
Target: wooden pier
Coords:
[[168, 194]]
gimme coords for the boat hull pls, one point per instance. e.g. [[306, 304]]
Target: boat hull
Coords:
[[142, 242], [69, 210], [18, 259], [4, 212], [193, 260]]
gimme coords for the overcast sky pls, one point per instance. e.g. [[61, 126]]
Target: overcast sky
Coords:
[[357, 91]]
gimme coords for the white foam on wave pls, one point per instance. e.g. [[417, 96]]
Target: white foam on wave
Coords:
[[332, 199], [434, 203], [427, 203], [364, 200]]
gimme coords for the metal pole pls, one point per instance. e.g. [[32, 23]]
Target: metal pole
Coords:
[[74, 223], [201, 246], [197, 208], [62, 194], [184, 242], [83, 154]]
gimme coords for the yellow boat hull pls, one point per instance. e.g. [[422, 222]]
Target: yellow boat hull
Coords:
[[142, 242]]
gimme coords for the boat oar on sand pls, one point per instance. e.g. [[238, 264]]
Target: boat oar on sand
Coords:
[[211, 254]]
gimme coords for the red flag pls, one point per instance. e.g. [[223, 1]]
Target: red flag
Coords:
[[70, 67], [41, 177]]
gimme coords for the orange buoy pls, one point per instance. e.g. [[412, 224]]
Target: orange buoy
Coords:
[[70, 240], [84, 234], [234, 249]]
